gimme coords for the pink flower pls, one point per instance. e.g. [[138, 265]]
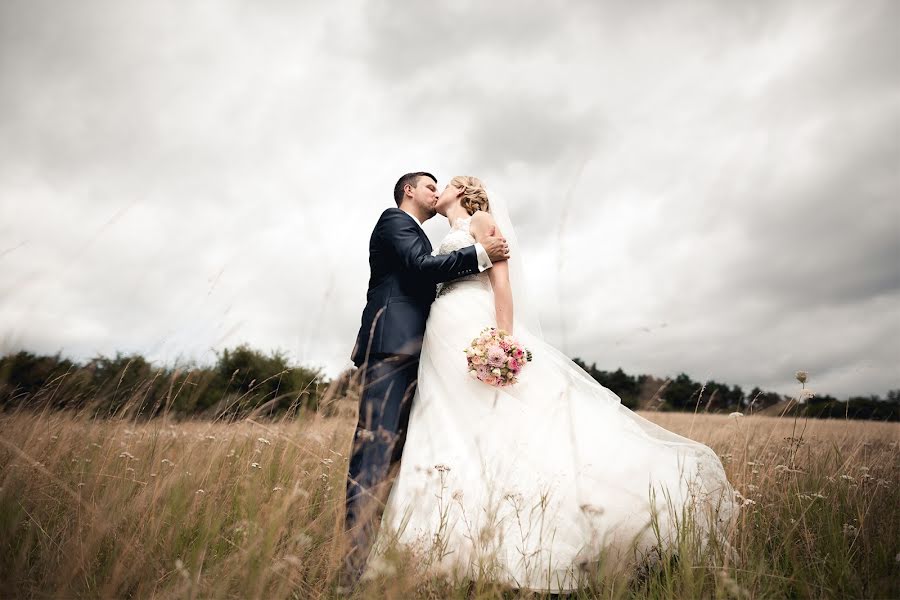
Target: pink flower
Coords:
[[496, 356]]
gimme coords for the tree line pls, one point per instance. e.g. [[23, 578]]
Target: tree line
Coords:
[[682, 393], [244, 381]]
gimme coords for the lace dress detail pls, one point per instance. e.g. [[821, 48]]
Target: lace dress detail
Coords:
[[457, 238]]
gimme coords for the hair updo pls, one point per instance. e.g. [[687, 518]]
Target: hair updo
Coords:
[[473, 197]]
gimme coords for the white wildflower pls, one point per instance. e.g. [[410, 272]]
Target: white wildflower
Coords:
[[441, 468], [263, 440], [801, 376], [255, 465], [732, 587], [179, 566], [736, 415]]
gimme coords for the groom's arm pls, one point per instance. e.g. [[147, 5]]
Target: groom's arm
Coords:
[[402, 235]]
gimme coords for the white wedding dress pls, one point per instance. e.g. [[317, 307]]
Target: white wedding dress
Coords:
[[529, 484]]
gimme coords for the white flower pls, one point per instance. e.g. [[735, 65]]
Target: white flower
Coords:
[[801, 376], [127, 455], [736, 415], [255, 465], [806, 393], [442, 468], [263, 440]]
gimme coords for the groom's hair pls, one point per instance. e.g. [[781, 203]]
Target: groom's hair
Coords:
[[409, 179]]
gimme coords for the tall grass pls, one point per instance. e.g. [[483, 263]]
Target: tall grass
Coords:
[[253, 509]]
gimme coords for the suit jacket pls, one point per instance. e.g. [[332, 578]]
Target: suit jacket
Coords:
[[402, 285]]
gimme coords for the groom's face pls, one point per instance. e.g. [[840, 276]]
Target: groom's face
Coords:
[[425, 194]]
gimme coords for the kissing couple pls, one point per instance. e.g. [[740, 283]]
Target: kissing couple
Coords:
[[536, 484]]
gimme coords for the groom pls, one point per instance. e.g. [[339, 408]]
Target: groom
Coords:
[[402, 282]]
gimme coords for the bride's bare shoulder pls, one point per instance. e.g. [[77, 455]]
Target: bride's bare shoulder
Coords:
[[482, 221]]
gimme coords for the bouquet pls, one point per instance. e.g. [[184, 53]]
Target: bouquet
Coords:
[[496, 358]]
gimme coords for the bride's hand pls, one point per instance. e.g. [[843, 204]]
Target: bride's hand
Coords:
[[495, 246]]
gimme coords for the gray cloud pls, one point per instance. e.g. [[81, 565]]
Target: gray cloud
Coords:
[[706, 187]]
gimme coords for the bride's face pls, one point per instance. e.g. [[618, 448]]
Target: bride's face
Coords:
[[447, 198]]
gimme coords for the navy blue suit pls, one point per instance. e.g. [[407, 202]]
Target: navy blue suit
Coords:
[[402, 286]]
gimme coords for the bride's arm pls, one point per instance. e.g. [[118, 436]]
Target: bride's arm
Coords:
[[482, 223]]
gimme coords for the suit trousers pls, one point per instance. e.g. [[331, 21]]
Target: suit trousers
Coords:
[[388, 387]]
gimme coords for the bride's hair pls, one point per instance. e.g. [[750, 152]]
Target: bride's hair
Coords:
[[473, 197]]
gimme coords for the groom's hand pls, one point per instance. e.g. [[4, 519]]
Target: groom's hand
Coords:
[[496, 247]]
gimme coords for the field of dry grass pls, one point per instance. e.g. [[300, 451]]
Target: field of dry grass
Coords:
[[253, 510]]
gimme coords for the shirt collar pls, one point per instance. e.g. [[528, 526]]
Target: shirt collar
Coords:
[[413, 216]]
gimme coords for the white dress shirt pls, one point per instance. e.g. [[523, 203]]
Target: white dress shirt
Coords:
[[484, 262]]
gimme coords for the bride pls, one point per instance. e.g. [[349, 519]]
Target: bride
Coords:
[[537, 484]]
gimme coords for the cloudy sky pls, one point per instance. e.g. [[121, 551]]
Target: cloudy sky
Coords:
[[707, 187]]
